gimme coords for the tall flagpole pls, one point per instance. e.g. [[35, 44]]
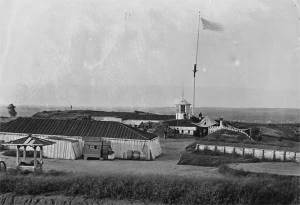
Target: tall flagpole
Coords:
[[195, 65]]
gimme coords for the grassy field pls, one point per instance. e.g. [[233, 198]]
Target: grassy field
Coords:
[[278, 168], [157, 189], [278, 131], [230, 138], [212, 159]]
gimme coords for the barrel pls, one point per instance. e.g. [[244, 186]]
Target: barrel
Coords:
[[136, 155], [129, 154]]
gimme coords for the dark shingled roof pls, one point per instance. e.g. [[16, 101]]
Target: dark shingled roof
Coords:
[[82, 128]]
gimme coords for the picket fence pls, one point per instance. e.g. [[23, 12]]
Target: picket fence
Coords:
[[255, 152]]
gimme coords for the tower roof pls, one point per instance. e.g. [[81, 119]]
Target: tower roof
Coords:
[[183, 101]]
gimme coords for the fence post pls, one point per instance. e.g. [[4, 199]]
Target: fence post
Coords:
[[274, 156], [224, 149], [233, 152], [215, 148], [243, 151], [263, 154], [295, 156], [284, 156], [253, 152]]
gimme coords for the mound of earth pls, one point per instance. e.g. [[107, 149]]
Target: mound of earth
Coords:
[[211, 159], [226, 136]]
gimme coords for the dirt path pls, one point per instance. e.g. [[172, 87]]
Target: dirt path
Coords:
[[95, 167], [280, 168], [166, 164]]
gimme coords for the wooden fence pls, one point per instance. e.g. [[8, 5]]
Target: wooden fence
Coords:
[[255, 152]]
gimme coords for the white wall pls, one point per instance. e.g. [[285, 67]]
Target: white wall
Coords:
[[184, 130], [255, 152], [98, 118], [62, 149], [138, 122]]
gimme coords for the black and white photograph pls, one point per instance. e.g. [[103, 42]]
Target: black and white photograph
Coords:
[[149, 102]]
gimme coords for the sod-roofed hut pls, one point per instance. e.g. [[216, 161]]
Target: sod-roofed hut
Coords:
[[124, 139]]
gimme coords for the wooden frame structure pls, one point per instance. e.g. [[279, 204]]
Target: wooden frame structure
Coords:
[[34, 143], [95, 147]]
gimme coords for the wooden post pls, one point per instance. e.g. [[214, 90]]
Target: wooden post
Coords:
[[24, 153], [295, 156], [263, 154], [253, 152], [215, 148], [233, 151], [274, 155], [17, 155], [34, 156], [224, 149], [41, 154], [243, 151], [284, 156]]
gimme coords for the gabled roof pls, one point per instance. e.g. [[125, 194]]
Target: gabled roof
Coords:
[[30, 141], [82, 128], [206, 122], [183, 101]]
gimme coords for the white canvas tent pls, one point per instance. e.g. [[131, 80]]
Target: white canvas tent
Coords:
[[69, 136], [63, 148], [149, 149]]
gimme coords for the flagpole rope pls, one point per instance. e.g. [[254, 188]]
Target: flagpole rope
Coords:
[[199, 19], [196, 61]]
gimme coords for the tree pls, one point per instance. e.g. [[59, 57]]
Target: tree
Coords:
[[11, 110]]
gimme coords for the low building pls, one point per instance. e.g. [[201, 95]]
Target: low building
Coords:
[[123, 138], [205, 125], [107, 118], [183, 126]]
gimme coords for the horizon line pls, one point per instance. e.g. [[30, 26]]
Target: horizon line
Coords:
[[127, 106]]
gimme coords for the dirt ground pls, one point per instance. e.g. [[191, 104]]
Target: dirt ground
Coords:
[[166, 164]]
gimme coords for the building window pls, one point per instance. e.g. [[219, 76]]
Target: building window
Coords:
[[182, 108], [93, 147]]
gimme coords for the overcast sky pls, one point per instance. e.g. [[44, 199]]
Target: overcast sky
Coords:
[[141, 52]]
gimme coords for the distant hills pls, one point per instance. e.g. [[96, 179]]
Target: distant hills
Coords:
[[255, 115]]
